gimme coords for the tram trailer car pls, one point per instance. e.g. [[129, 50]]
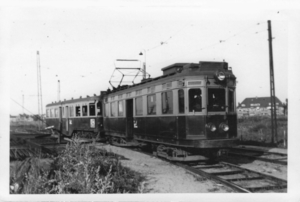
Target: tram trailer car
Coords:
[[188, 110], [82, 116]]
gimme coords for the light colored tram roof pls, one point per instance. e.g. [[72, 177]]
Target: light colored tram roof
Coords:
[[92, 98]]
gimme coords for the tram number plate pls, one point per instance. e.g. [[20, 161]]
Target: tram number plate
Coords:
[[92, 123]]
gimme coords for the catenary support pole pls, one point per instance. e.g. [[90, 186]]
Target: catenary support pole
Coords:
[[272, 87]]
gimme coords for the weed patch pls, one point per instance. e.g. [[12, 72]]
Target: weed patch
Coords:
[[257, 130], [79, 169]]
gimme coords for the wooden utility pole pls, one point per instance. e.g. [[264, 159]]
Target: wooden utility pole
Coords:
[[272, 88]]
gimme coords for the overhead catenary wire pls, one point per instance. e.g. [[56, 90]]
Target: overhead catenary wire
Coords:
[[168, 39], [221, 41], [23, 107]]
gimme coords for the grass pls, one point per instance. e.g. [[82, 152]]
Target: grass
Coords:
[[79, 169], [257, 130], [23, 126]]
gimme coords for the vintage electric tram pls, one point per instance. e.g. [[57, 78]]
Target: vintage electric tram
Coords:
[[81, 116], [186, 114]]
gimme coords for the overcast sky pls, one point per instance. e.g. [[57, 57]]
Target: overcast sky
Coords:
[[78, 46]]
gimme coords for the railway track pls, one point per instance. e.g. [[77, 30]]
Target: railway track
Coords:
[[23, 145], [240, 179], [273, 157]]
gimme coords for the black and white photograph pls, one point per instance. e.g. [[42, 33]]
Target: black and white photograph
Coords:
[[149, 100]]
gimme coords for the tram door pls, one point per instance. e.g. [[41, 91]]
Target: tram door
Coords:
[[129, 118]]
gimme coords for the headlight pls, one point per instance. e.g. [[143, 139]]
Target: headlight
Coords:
[[221, 76], [211, 127], [224, 127]]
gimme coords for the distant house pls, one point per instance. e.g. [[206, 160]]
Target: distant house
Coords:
[[13, 118], [258, 106]]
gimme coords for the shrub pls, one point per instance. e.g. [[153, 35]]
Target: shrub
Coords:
[[80, 169]]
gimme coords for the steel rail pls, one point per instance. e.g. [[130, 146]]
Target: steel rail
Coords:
[[277, 161]]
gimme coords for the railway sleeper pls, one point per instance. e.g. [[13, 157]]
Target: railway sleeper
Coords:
[[232, 172], [244, 179], [263, 188], [207, 167]]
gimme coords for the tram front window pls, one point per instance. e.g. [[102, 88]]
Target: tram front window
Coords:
[[195, 100], [216, 100]]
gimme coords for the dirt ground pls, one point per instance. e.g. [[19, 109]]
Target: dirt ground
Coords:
[[163, 177]]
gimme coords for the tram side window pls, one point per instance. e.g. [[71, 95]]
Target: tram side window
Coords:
[[195, 100], [66, 111], [51, 113], [120, 108], [47, 113], [216, 99], [181, 101], [99, 108], [106, 110], [92, 109], [84, 110], [113, 109], [231, 100], [56, 113], [71, 108], [151, 101], [78, 111], [63, 112], [139, 106], [167, 102]]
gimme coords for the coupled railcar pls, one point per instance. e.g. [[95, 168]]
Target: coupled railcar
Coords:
[[188, 113], [189, 109], [76, 116]]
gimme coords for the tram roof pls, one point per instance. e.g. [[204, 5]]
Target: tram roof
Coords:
[[80, 99]]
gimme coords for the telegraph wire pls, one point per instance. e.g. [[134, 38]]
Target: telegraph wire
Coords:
[[22, 107], [220, 41], [171, 37]]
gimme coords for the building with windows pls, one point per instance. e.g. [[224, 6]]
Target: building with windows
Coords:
[[13, 118], [258, 106]]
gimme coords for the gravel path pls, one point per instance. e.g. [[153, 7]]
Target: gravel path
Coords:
[[163, 177]]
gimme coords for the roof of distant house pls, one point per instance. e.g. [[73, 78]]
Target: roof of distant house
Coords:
[[259, 102]]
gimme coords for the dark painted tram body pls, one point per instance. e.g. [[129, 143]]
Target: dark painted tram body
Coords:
[[190, 106], [80, 115]]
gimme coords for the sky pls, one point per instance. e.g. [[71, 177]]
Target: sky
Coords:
[[79, 47]]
